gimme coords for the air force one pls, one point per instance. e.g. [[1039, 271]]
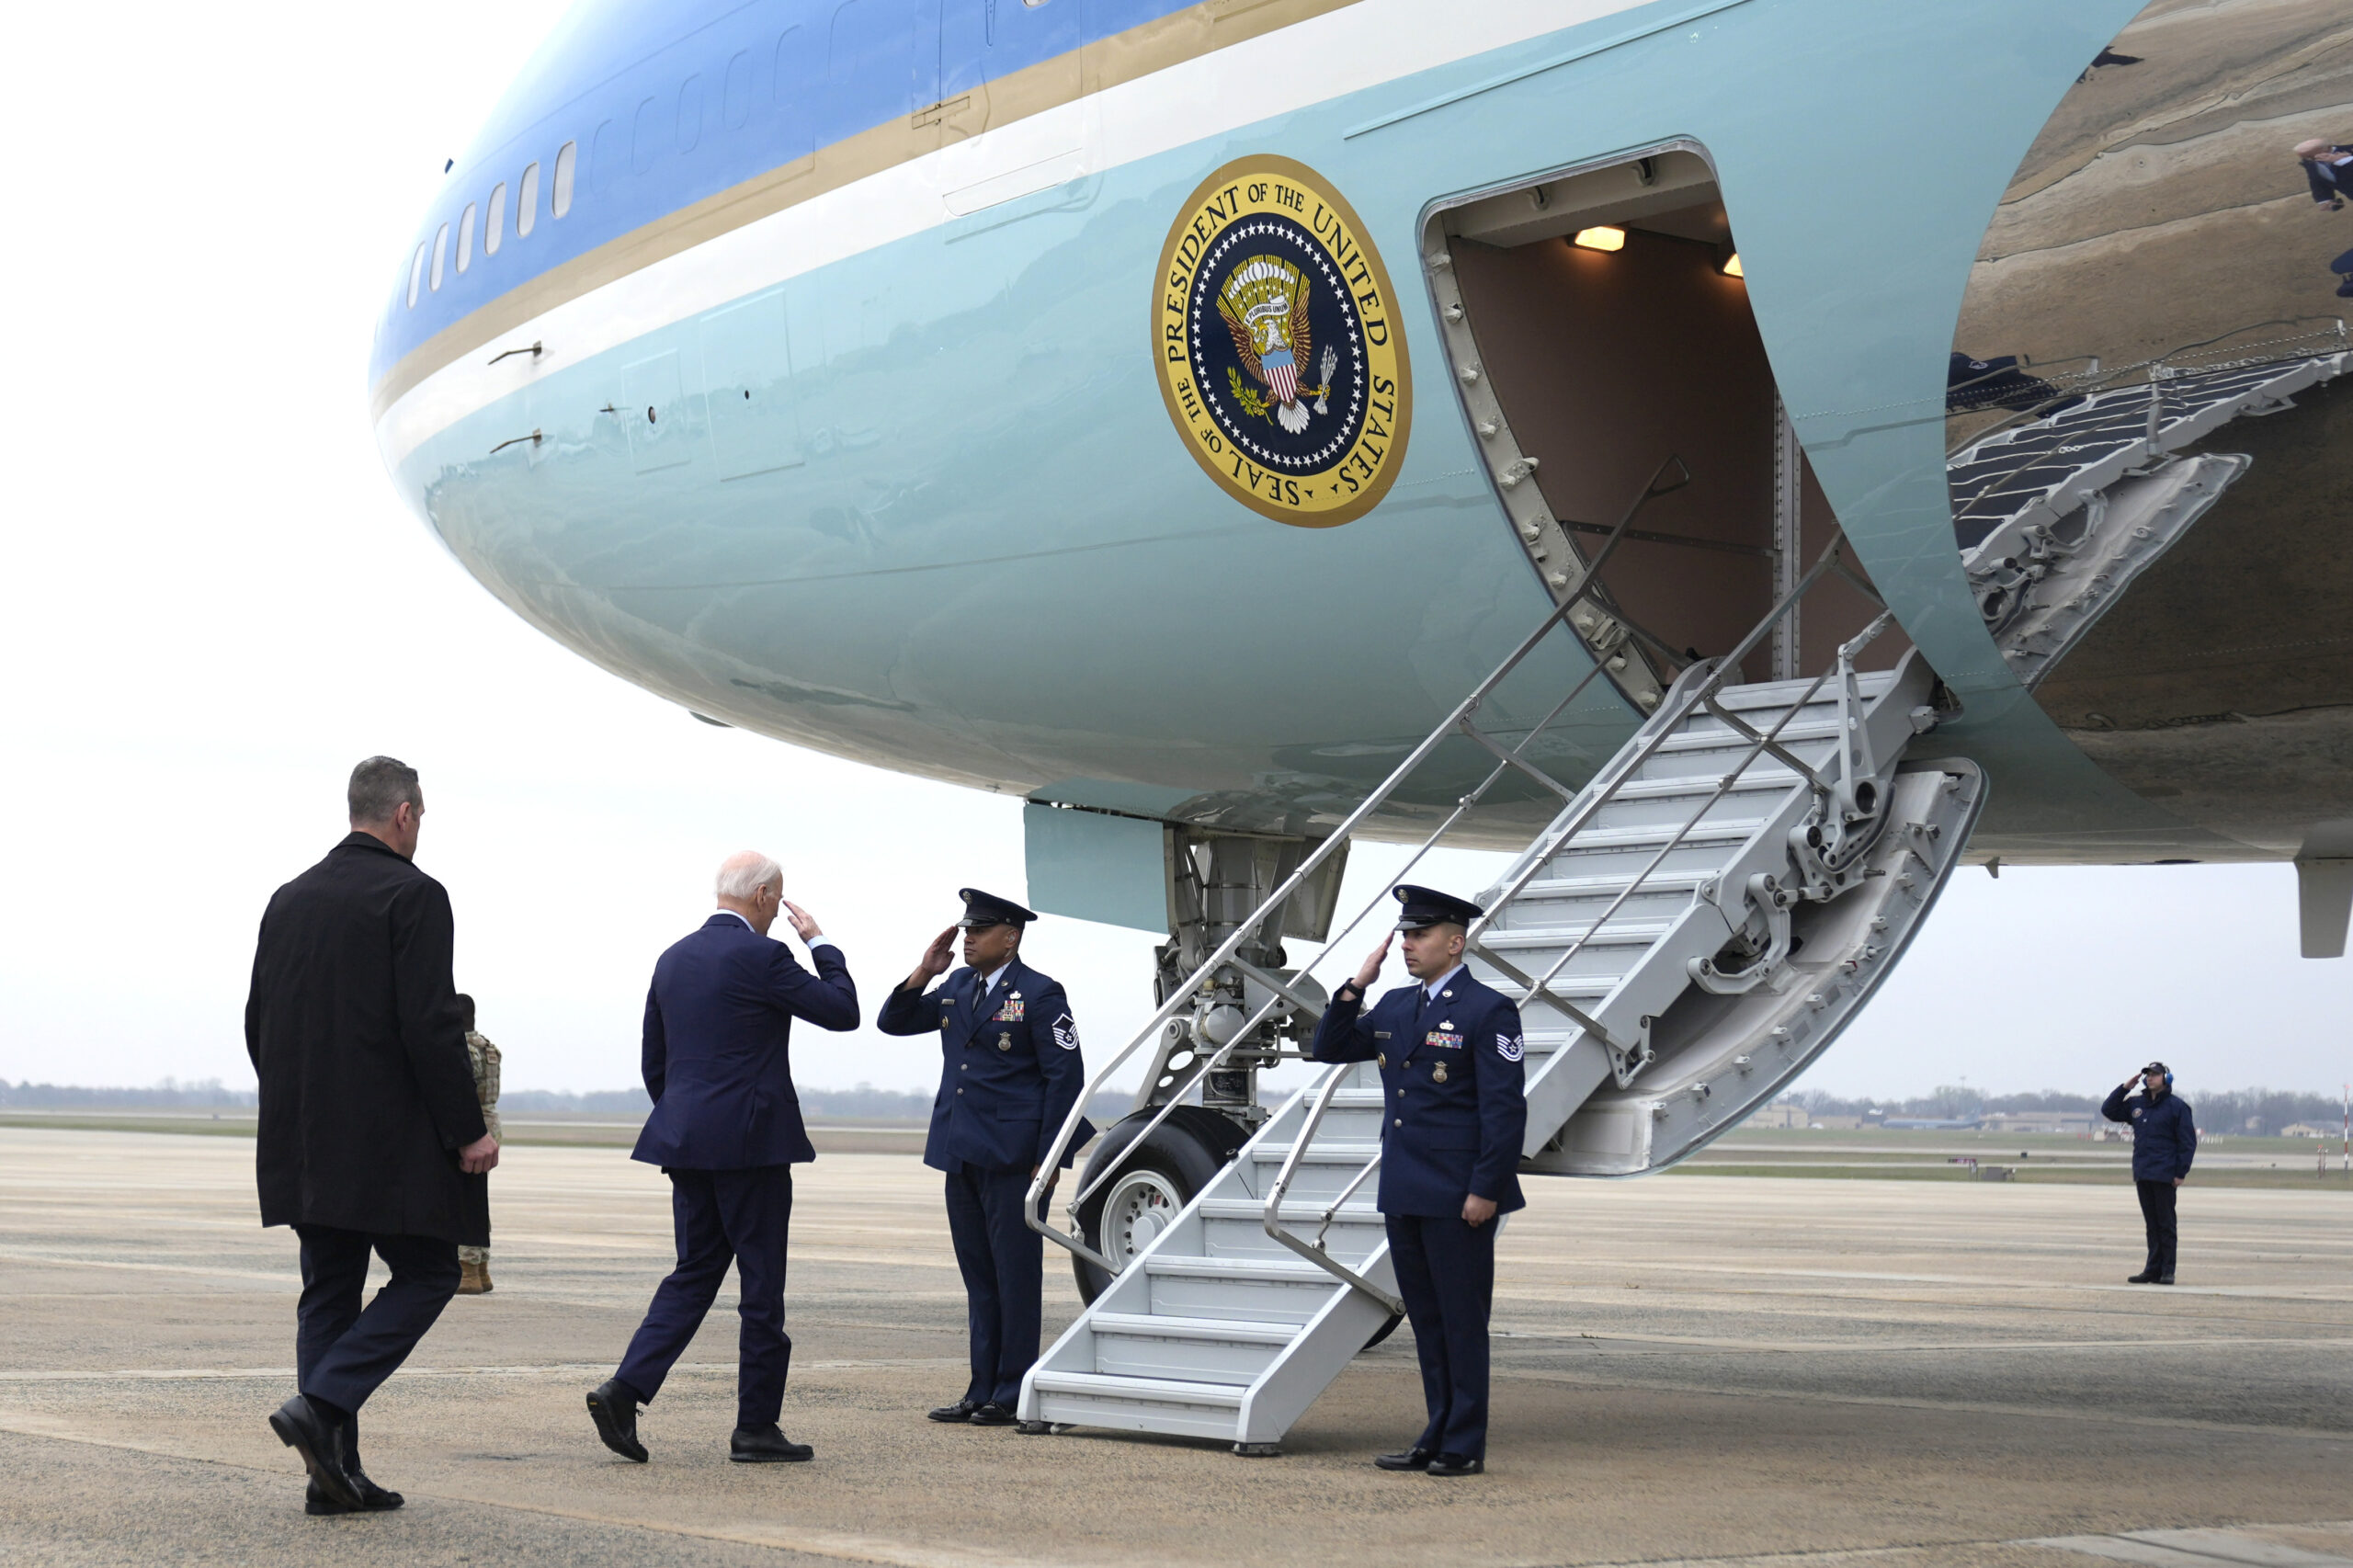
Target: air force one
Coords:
[[1739, 455]]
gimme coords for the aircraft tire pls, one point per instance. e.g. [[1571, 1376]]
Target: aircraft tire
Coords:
[[1156, 1177]]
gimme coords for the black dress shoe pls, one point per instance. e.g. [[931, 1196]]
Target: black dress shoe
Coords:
[[766, 1445], [991, 1415], [2141, 1279], [2167, 1281], [958, 1413], [1412, 1459], [301, 1426], [1455, 1464], [614, 1410], [373, 1499]]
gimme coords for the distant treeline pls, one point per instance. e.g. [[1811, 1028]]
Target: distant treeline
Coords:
[[168, 1095], [2262, 1111], [864, 1103]]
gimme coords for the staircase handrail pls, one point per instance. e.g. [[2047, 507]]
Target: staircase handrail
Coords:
[[1316, 1252], [1699, 686], [1049, 1168]]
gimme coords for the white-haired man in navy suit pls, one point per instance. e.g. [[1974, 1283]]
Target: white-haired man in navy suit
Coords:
[[726, 1130]]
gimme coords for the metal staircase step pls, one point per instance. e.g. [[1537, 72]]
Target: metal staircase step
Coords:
[[1619, 933], [1758, 777], [1351, 1213], [1138, 1404], [1650, 836], [1231, 1351], [1237, 1331], [1323, 1151], [1723, 737]]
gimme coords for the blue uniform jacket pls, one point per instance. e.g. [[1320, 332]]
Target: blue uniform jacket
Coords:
[[1443, 1138], [1009, 1070], [2165, 1135], [718, 1038]]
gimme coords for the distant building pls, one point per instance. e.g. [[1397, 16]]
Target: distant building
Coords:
[[1847, 1122], [1934, 1123], [2075, 1123], [2306, 1130]]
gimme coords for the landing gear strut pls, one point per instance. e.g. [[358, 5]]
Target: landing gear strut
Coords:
[[1215, 881]]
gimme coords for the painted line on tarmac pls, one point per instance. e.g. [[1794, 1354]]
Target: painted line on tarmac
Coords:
[[2154, 1292], [829, 1544], [1943, 1407], [2195, 1548], [561, 1369], [1668, 1342]]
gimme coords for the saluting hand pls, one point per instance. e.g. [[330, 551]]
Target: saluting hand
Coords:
[[935, 960], [1369, 971], [802, 921]]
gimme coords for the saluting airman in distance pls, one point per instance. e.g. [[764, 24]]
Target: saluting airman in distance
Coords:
[[1455, 1114], [1010, 1071]]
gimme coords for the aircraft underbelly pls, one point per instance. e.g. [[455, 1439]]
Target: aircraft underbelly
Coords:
[[914, 495]]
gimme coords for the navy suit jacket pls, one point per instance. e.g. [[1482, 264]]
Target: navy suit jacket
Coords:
[[1010, 1070], [718, 1047], [1443, 1139]]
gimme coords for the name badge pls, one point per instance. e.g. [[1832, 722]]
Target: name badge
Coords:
[[1380, 1034]]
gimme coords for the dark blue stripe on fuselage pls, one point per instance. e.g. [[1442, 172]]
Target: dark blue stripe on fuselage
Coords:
[[673, 103]]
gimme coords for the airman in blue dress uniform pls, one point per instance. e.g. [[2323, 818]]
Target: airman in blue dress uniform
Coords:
[[1010, 1071], [1456, 1112]]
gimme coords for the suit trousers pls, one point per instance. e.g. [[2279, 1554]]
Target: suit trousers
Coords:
[[1446, 1275], [343, 1353], [743, 1218], [2157, 1214], [1002, 1262]]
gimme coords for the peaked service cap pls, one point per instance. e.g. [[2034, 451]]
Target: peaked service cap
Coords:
[[987, 909], [1428, 906]]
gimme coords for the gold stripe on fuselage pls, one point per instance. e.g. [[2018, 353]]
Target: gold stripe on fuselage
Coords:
[[1108, 63]]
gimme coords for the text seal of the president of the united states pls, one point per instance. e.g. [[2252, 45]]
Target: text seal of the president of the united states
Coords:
[[1281, 355]]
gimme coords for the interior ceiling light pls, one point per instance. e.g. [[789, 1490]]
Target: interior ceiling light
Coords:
[[1603, 238], [1732, 268]]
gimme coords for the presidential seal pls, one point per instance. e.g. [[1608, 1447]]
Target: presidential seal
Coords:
[[1283, 359]]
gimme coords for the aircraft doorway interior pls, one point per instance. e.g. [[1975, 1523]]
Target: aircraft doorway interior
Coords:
[[1600, 332]]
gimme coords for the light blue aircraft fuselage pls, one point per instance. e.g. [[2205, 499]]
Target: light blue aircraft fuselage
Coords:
[[821, 394]]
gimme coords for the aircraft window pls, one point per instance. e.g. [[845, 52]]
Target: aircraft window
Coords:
[[466, 237], [566, 156], [647, 135], [440, 255], [416, 276], [493, 221], [526, 202], [690, 114], [735, 103]]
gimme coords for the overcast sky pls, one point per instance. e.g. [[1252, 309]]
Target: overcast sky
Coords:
[[216, 605]]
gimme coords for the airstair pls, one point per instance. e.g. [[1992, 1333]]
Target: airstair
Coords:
[[2056, 515], [1683, 938]]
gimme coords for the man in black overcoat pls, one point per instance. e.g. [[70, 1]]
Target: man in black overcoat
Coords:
[[372, 1137]]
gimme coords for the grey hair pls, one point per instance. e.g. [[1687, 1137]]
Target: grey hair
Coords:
[[745, 872], [378, 787]]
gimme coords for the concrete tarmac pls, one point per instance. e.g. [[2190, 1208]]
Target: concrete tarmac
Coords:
[[1730, 1371]]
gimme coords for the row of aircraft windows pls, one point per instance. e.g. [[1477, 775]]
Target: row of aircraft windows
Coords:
[[426, 270]]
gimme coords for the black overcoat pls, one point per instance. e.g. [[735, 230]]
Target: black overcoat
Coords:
[[366, 1093]]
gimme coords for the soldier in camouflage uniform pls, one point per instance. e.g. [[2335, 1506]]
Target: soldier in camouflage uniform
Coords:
[[475, 1262]]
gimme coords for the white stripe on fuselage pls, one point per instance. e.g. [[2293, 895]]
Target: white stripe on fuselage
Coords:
[[1360, 46]]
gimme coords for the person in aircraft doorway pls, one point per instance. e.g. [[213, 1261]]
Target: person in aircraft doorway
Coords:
[[2164, 1141], [1448, 1050], [1010, 1071]]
